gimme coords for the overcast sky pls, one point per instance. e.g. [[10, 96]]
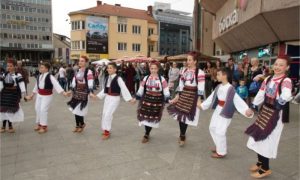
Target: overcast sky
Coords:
[[61, 8]]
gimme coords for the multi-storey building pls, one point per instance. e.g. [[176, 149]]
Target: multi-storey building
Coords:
[[113, 31], [26, 30], [175, 29]]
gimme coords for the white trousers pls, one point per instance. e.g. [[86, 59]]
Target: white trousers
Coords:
[[111, 103], [42, 105], [218, 128]]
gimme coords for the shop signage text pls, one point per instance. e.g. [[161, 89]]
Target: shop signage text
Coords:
[[228, 21]]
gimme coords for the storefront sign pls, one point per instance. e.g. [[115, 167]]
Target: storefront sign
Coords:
[[228, 21], [97, 35]]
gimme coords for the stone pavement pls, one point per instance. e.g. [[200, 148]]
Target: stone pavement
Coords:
[[63, 155]]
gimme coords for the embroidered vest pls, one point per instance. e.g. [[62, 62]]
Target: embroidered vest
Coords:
[[228, 109], [48, 84], [114, 86]]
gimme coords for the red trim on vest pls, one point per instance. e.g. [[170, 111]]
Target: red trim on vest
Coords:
[[45, 92], [221, 103]]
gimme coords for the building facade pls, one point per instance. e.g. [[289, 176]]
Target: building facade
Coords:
[[26, 30], [175, 29], [260, 28], [112, 32], [62, 47]]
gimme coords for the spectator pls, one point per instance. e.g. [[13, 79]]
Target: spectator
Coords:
[[173, 75], [62, 77], [20, 69], [242, 90], [166, 70], [130, 74], [70, 74], [254, 80], [214, 74], [238, 74], [208, 70], [232, 67]]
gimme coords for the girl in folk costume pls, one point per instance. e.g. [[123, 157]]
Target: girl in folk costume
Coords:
[[224, 100], [114, 87], [82, 85], [265, 132], [183, 107], [44, 90], [12, 88], [153, 92]]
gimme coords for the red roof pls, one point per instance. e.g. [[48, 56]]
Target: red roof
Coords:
[[117, 10]]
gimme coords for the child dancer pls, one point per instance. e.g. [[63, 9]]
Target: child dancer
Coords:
[[265, 132], [12, 89], [153, 92], [242, 90], [82, 85], [44, 90], [114, 87], [224, 100], [183, 107]]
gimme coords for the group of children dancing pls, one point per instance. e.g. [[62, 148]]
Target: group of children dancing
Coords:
[[153, 93]]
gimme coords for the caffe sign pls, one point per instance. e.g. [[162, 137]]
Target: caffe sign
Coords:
[[228, 21]]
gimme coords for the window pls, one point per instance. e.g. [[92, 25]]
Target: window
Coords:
[[82, 45], [150, 31], [122, 46], [122, 28], [76, 25], [82, 24], [151, 48], [136, 29], [136, 47]]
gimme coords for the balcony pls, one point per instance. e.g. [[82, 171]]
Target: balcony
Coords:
[[153, 38]]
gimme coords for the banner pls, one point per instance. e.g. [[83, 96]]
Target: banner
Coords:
[[97, 35]]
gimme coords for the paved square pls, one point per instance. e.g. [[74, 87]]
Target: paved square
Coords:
[[61, 154]]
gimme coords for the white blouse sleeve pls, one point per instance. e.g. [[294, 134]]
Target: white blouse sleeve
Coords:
[[140, 92], [101, 94], [124, 91], [286, 92], [240, 105], [90, 79], [201, 82], [35, 89], [56, 85], [165, 88], [73, 84], [207, 103], [181, 83], [21, 84], [1, 85], [260, 96]]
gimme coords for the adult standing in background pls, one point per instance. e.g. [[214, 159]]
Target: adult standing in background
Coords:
[[208, 70], [70, 75], [215, 82], [62, 77], [130, 73], [253, 77], [24, 72], [173, 75]]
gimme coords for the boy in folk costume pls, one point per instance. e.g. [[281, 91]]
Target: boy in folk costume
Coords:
[[183, 107], [44, 90], [12, 88], [82, 86], [224, 100], [153, 92], [265, 132], [114, 86]]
